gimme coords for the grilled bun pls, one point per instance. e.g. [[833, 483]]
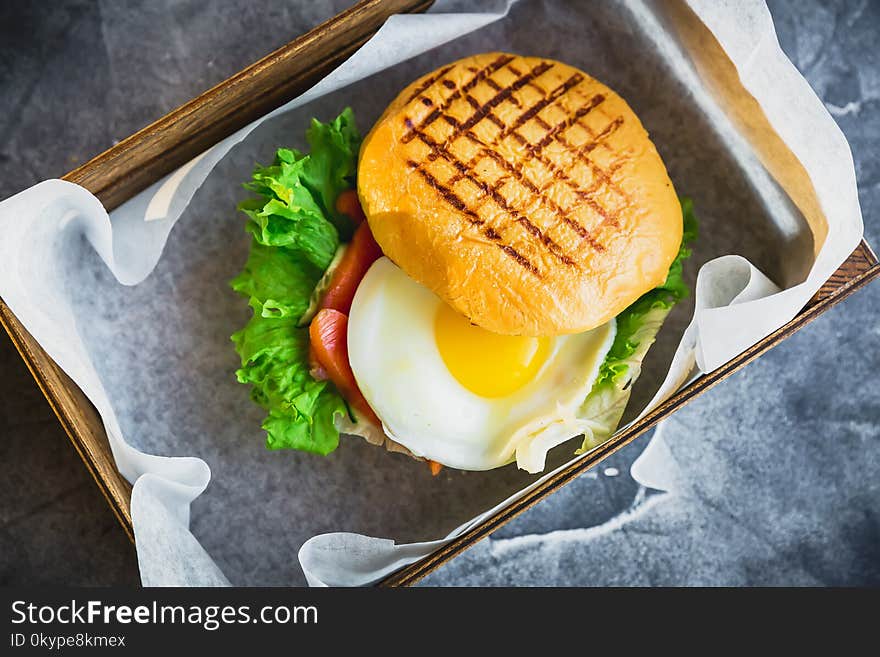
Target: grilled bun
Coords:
[[524, 193]]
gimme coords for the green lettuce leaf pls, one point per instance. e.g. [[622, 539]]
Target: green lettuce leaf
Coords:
[[295, 233], [637, 328], [277, 281], [332, 166]]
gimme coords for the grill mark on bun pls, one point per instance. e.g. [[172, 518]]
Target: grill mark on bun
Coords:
[[481, 112], [545, 125], [607, 218], [598, 208], [497, 87], [476, 105], [553, 247], [606, 131], [495, 195], [473, 218], [466, 171], [558, 174], [516, 170], [556, 132], [485, 111], [559, 135], [467, 86], [541, 122], [427, 84], [552, 97], [448, 195], [600, 173], [562, 126], [516, 255], [488, 150], [535, 150]]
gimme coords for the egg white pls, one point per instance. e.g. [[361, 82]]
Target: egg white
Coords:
[[399, 369]]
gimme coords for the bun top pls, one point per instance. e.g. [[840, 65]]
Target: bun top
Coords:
[[524, 193]]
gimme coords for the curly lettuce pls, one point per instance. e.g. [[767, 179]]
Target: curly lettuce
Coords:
[[637, 328], [296, 231]]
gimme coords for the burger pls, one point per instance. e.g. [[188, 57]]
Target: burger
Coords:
[[475, 282]]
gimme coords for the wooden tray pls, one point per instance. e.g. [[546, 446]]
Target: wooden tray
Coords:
[[133, 164]]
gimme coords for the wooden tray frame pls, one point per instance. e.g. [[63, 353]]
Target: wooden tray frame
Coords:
[[138, 161]]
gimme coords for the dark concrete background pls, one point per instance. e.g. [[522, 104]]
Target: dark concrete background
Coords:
[[773, 475]]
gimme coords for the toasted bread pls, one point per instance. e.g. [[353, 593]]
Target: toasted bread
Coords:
[[523, 192]]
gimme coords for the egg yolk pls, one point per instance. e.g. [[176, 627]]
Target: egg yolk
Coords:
[[486, 363]]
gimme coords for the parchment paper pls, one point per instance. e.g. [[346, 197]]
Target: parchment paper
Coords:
[[140, 315]]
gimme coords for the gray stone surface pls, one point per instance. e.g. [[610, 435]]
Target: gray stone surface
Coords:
[[770, 478]]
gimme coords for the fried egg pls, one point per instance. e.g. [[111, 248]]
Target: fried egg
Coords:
[[457, 394]]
